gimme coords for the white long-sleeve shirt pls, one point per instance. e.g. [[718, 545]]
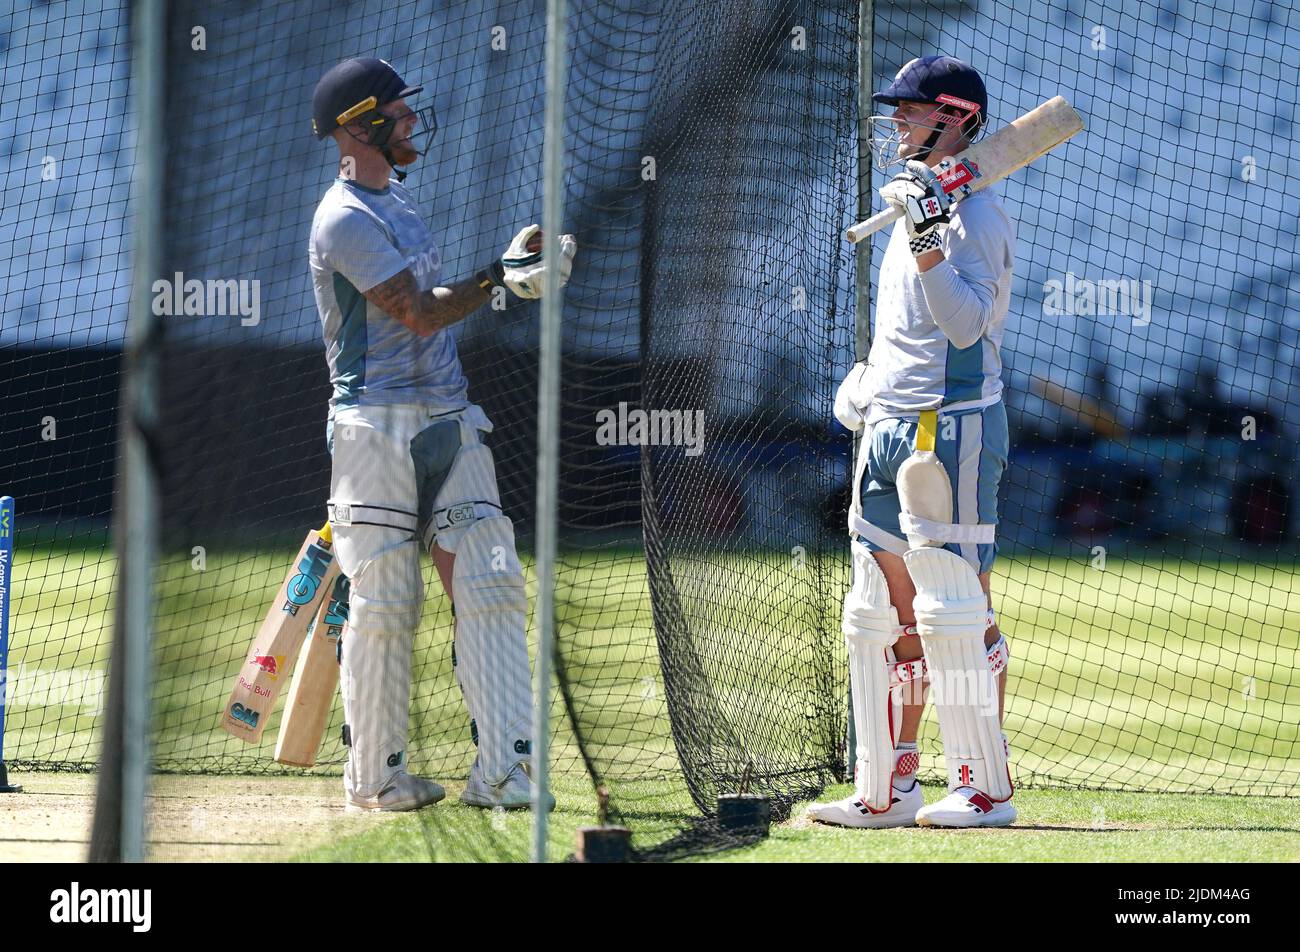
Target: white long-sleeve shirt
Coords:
[[938, 335]]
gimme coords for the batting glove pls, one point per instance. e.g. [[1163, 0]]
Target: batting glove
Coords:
[[852, 400], [522, 269], [924, 204]]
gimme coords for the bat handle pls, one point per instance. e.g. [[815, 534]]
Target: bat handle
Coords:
[[873, 224]]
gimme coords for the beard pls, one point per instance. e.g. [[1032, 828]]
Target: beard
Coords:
[[403, 152]]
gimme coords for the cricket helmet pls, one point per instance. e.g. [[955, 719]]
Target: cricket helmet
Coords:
[[354, 90]]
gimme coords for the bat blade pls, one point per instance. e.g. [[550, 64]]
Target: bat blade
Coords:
[[266, 668], [986, 163], [311, 695]]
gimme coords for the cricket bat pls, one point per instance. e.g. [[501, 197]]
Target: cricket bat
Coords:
[[266, 669], [984, 163], [315, 678]]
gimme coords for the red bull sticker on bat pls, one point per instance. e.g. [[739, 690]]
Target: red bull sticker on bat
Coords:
[[271, 664]]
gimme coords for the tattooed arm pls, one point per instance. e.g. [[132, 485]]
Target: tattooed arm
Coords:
[[427, 312]]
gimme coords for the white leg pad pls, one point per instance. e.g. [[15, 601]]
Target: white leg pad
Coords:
[[870, 629], [491, 645], [468, 495], [387, 592], [951, 615]]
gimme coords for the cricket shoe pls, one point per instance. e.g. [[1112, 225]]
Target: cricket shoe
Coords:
[[402, 792], [513, 793], [851, 811], [966, 807]]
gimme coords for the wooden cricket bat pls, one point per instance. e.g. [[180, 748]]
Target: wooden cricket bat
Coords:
[[266, 669], [311, 695], [984, 163]]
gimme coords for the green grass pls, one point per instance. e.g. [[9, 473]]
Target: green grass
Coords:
[[1165, 675], [452, 832], [1054, 826], [1062, 826]]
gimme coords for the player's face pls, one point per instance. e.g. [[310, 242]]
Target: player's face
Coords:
[[912, 127], [916, 125], [399, 143]]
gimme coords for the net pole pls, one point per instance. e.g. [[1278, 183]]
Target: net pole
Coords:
[[548, 416], [141, 481], [7, 528], [862, 259], [119, 834]]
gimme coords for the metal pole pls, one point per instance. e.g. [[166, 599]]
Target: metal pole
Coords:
[[141, 379], [548, 415], [862, 273], [7, 528], [866, 33]]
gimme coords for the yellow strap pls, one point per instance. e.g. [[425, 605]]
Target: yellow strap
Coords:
[[327, 534], [370, 102], [927, 428]]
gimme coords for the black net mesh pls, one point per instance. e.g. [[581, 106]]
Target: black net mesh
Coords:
[[743, 293], [1147, 523], [1146, 578]]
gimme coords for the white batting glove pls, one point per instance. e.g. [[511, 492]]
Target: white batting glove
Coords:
[[523, 268], [852, 400], [924, 204]]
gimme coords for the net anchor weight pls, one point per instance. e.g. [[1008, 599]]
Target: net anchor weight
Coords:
[[604, 843], [744, 812]]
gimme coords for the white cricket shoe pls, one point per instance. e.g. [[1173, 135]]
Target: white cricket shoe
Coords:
[[513, 793], [851, 811], [403, 791], [966, 807]]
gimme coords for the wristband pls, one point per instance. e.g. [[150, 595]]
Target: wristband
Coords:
[[493, 276], [927, 242]]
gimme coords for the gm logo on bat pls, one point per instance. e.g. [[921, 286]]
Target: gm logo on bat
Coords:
[[244, 715], [302, 587]]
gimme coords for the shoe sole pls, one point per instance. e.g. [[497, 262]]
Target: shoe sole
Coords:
[[910, 821], [998, 822], [471, 801], [854, 826], [351, 807]]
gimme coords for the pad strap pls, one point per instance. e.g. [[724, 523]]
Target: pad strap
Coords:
[[945, 532], [359, 514], [464, 513], [902, 672], [999, 655], [876, 535]]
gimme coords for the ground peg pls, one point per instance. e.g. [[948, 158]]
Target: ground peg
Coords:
[[604, 843], [745, 812]]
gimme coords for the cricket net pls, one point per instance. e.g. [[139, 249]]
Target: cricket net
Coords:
[[1146, 580]]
